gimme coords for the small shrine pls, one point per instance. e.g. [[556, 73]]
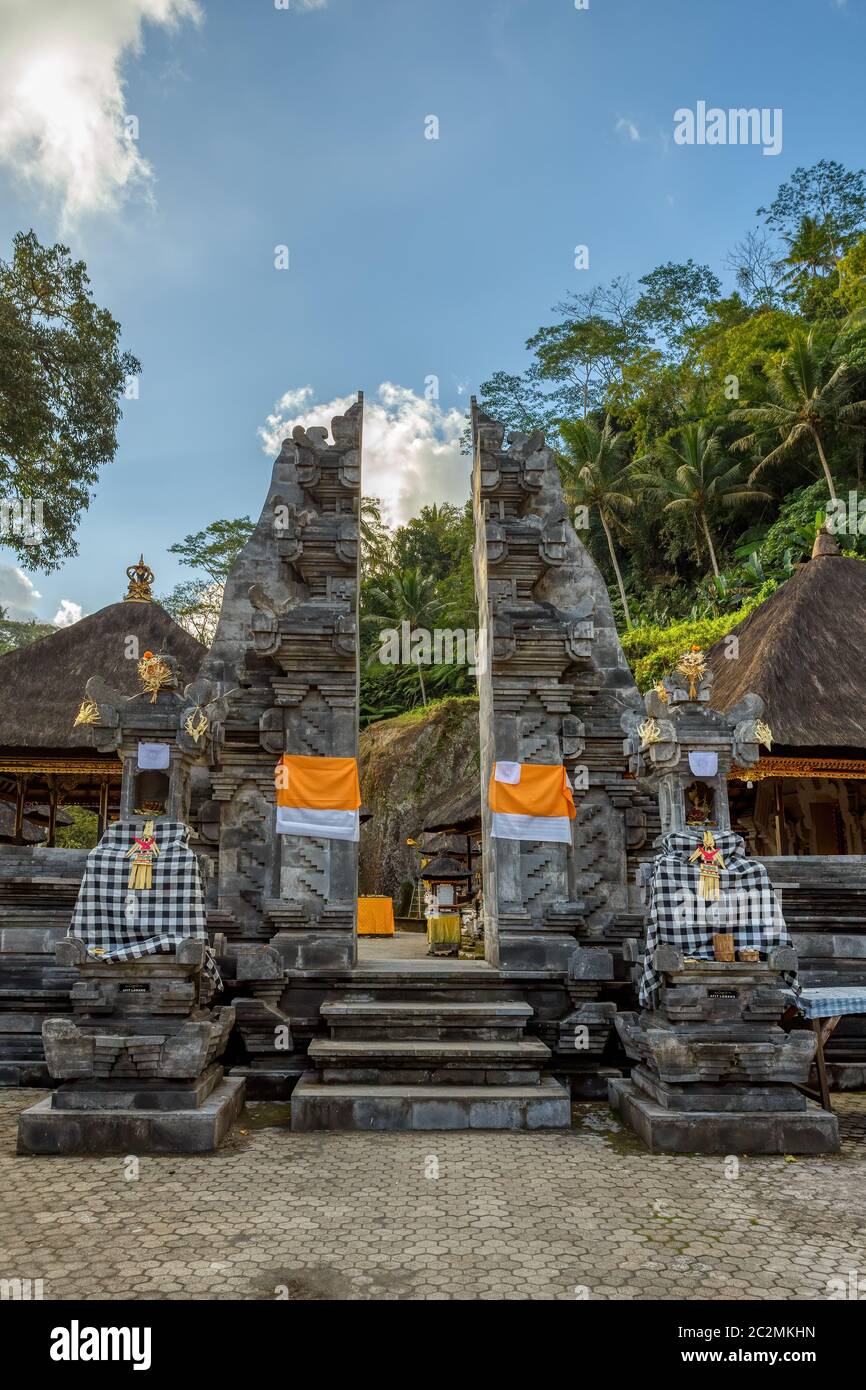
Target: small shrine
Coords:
[[446, 881], [138, 1060], [715, 1072]]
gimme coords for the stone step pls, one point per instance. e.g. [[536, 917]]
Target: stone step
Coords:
[[424, 1061], [469, 1051], [316, 1106], [394, 1019]]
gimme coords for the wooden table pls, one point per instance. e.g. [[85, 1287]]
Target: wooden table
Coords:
[[824, 1008]]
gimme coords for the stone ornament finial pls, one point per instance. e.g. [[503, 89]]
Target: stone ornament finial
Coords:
[[825, 543], [140, 578]]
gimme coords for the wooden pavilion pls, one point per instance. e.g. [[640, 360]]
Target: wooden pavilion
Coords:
[[802, 652], [45, 757]]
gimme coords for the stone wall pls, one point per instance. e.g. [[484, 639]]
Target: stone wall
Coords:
[[409, 765]]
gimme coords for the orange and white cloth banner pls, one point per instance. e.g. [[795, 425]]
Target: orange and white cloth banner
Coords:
[[531, 801], [318, 797]]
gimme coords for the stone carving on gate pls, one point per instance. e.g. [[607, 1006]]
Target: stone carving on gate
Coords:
[[287, 637], [554, 691]]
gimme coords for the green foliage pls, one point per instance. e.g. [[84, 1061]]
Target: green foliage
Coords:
[[387, 691], [653, 650], [14, 635], [216, 548], [195, 603], [676, 299], [793, 531], [62, 375], [82, 833], [827, 193]]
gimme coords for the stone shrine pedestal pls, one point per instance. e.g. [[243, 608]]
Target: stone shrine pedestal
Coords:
[[716, 1073], [137, 1061]]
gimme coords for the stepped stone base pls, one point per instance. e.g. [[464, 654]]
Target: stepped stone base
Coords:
[[807, 1131], [708, 1096], [138, 1094], [47, 1128], [317, 1106]]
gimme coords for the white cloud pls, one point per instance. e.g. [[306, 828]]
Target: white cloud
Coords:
[[18, 594], [67, 614], [629, 128], [411, 445], [62, 101]]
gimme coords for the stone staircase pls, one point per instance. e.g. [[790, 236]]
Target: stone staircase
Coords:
[[426, 1060], [38, 889]]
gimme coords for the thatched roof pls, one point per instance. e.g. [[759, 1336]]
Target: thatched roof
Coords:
[[42, 685], [802, 652], [34, 827], [460, 812], [444, 868]]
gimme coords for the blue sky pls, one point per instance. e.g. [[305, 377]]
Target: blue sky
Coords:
[[409, 257]]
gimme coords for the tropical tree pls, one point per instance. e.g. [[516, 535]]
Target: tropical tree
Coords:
[[406, 595], [374, 536], [806, 401], [62, 376], [195, 603], [696, 478], [595, 473], [675, 298], [809, 265], [828, 194]]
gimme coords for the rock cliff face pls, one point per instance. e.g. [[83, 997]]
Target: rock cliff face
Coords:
[[410, 767]]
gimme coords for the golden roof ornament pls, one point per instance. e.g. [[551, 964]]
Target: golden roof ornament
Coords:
[[88, 713], [693, 665], [649, 732], [154, 673], [140, 578], [763, 733], [197, 724]]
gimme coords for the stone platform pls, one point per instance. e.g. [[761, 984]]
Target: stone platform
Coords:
[[318, 1106], [422, 1060], [156, 1120], [809, 1130]]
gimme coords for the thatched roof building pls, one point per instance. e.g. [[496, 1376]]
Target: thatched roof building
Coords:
[[801, 651], [43, 754]]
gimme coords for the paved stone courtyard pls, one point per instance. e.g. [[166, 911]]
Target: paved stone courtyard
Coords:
[[583, 1214]]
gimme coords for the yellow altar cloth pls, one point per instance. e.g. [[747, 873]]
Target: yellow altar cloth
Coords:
[[375, 917], [444, 930]]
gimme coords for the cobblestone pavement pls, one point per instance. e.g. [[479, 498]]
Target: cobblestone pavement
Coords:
[[585, 1213]]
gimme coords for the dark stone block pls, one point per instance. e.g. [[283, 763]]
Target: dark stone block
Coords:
[[723, 1098], [137, 1095], [813, 1131], [45, 1130]]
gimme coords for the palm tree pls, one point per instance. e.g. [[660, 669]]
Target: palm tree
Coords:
[[595, 473], [374, 535], [407, 595], [810, 255], [804, 402], [697, 478]]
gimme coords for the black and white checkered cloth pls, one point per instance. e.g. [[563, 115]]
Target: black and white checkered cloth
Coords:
[[747, 908], [122, 923]]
